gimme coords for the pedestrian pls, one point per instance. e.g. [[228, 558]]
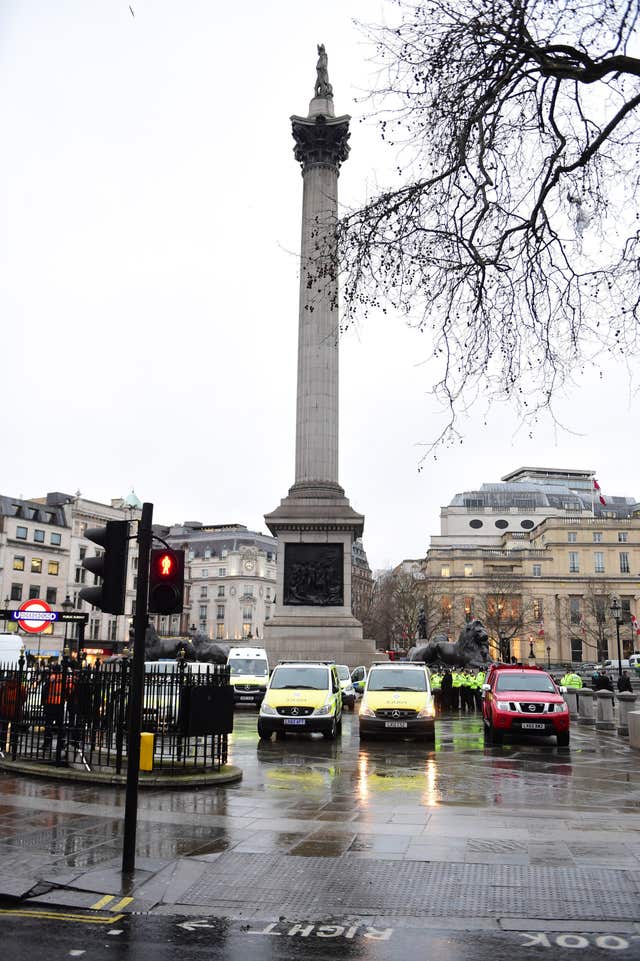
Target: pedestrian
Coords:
[[624, 683], [446, 687], [480, 677], [436, 690], [605, 683], [571, 679], [456, 684]]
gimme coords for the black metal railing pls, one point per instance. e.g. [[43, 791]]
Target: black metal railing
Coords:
[[79, 716]]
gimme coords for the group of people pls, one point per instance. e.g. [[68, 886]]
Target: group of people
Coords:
[[457, 689], [600, 681]]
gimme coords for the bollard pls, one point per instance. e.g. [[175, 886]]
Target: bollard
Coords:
[[634, 729], [626, 702], [571, 698], [585, 707], [146, 752], [604, 710]]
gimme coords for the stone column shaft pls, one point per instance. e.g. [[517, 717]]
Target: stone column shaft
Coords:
[[317, 399]]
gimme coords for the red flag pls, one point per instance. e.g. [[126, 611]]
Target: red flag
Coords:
[[635, 625], [596, 487]]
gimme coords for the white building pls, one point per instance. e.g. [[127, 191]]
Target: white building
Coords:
[[522, 500], [230, 574]]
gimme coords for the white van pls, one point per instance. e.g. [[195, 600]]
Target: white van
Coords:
[[634, 662], [249, 674], [11, 647]]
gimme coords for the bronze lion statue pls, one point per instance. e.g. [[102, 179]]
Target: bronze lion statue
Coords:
[[470, 650]]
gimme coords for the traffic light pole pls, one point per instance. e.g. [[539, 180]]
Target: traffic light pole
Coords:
[[136, 691]]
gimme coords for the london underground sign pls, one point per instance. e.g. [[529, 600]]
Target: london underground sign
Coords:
[[34, 616]]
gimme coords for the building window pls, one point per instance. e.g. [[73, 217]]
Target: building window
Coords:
[[574, 562], [598, 562], [221, 590], [220, 632], [56, 540], [538, 608], [623, 537], [52, 593], [204, 572], [53, 568], [572, 537], [94, 630], [203, 590], [468, 570], [134, 563], [203, 612], [220, 612], [82, 553], [207, 553], [80, 575], [446, 607], [268, 593], [34, 592], [113, 630], [38, 536], [247, 614], [445, 571], [597, 537], [16, 592], [248, 590], [21, 533], [468, 608], [576, 649], [246, 630], [575, 613], [624, 562], [36, 565], [537, 570], [222, 572], [625, 603], [18, 562]]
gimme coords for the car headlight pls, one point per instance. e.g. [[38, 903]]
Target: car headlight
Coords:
[[267, 709], [324, 710], [503, 705], [558, 708], [366, 712], [428, 711]]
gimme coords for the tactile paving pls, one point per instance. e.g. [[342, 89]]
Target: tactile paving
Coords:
[[341, 886]]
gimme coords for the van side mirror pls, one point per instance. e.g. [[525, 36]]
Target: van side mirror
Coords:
[[486, 687]]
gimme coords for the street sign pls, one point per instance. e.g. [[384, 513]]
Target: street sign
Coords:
[[34, 616]]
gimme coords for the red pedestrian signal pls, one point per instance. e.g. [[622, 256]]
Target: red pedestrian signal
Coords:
[[166, 581]]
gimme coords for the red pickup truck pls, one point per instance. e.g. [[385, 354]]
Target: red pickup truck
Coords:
[[523, 700]]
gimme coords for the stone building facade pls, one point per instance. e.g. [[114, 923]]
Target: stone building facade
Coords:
[[538, 557]]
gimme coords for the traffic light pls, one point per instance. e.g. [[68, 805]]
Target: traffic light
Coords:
[[166, 581], [111, 566]]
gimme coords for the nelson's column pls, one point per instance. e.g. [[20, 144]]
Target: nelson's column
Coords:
[[315, 524]]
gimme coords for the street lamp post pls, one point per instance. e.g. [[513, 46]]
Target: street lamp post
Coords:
[[67, 605], [6, 607], [616, 613], [548, 657]]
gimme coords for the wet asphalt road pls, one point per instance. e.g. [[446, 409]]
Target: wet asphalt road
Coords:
[[167, 939], [389, 850]]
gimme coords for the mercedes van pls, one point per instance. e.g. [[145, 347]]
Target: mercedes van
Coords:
[[248, 674]]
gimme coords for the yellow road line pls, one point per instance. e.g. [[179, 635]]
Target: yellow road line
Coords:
[[55, 916], [121, 904], [103, 902]]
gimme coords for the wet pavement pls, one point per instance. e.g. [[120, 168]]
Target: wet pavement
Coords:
[[501, 841]]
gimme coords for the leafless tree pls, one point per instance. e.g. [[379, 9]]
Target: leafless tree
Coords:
[[588, 619], [505, 612], [398, 599], [512, 237]]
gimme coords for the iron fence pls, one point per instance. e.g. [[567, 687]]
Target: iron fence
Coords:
[[79, 716]]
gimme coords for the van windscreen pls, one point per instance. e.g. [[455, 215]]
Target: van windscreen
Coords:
[[256, 666]]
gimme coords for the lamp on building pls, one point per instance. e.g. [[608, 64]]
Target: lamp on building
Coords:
[[616, 613], [67, 605]]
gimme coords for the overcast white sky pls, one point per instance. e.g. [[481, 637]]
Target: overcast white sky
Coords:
[[150, 211]]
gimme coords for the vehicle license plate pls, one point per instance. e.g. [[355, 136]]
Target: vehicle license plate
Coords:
[[295, 720], [395, 723], [534, 727], [244, 697]]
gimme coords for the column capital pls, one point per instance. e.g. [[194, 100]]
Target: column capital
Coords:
[[321, 141]]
